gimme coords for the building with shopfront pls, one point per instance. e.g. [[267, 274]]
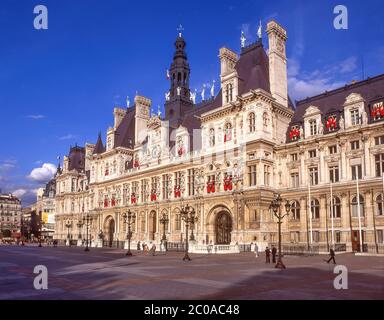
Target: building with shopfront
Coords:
[[227, 154]]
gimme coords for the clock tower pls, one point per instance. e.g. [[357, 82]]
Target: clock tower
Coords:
[[277, 37], [178, 100]]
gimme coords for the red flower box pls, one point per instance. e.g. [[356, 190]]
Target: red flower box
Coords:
[[294, 134], [177, 192], [331, 123], [181, 151], [153, 197], [211, 187], [228, 184]]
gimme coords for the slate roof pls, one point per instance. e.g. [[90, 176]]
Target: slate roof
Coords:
[[125, 133], [99, 148], [253, 69], [370, 89], [76, 159]]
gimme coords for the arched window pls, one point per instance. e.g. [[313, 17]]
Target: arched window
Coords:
[[142, 222], [212, 137], [252, 122], [379, 205], [335, 208], [295, 209], [265, 121], [228, 132], [315, 209], [177, 222], [355, 211]]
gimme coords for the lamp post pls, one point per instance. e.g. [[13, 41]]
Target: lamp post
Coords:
[[87, 220], [129, 219], [188, 215], [79, 226], [68, 224], [164, 221], [275, 206], [40, 232]]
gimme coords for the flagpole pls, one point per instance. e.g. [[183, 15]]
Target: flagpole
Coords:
[[332, 217], [359, 214], [310, 211]]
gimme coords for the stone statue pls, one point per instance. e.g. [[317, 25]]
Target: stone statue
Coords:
[[203, 93], [242, 39], [301, 132], [193, 97], [167, 96], [341, 123], [321, 128], [178, 91], [365, 117]]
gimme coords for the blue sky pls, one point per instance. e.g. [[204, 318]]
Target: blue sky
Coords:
[[58, 86]]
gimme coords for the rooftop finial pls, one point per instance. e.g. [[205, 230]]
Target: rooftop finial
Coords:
[[180, 29], [260, 30], [243, 39]]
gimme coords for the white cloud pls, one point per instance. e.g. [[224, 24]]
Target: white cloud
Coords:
[[306, 84], [8, 164], [36, 116], [19, 193], [67, 137], [43, 174], [348, 65]]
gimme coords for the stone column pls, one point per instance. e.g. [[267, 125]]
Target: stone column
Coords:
[[303, 175], [367, 167], [322, 164], [303, 220], [343, 169], [323, 217], [368, 218]]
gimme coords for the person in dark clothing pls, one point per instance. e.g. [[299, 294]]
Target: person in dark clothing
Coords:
[[274, 252], [267, 255], [332, 253], [138, 246]]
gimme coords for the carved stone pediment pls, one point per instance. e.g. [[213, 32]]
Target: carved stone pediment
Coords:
[[353, 98], [311, 111]]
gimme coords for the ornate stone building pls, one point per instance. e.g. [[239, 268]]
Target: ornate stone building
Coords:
[[228, 156], [10, 217]]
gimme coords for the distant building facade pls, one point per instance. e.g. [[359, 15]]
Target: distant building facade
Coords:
[[228, 156], [10, 217]]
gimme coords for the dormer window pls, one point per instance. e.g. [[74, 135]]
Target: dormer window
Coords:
[[313, 127], [355, 117]]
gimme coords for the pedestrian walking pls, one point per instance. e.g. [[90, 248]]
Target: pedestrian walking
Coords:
[[256, 249], [332, 254], [138, 246], [274, 252], [267, 255], [153, 249]]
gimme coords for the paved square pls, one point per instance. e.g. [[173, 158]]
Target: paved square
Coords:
[[109, 274]]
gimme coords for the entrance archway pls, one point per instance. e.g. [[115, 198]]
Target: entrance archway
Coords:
[[109, 230], [152, 228], [223, 228]]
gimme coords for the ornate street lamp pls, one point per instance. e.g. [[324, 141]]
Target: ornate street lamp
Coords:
[[129, 219], [275, 206], [164, 221], [80, 224], [87, 220], [68, 224], [188, 215]]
